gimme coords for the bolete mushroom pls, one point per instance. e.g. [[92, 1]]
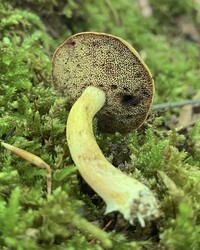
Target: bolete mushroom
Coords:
[[101, 72]]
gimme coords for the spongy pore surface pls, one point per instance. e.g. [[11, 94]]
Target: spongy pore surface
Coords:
[[109, 63]]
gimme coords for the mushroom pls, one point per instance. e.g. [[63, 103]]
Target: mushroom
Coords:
[[101, 73]]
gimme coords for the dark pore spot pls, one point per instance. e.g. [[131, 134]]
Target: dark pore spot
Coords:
[[113, 86], [129, 116], [125, 88], [146, 93], [72, 43], [138, 74], [96, 44], [129, 100]]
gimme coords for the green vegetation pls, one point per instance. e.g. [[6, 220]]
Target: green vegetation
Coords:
[[33, 117]]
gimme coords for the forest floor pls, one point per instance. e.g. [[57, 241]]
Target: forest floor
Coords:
[[164, 153]]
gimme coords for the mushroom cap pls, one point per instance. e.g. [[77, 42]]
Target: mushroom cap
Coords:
[[111, 64]]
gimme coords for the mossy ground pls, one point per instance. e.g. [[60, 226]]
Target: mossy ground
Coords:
[[33, 117]]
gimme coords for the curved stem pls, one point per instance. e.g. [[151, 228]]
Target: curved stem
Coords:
[[119, 191]]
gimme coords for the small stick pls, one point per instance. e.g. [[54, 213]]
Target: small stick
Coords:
[[175, 104], [90, 229], [60, 161], [104, 229], [32, 159]]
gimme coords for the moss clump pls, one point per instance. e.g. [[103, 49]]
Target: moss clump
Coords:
[[33, 117]]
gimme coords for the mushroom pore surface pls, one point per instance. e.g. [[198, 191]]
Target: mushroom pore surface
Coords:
[[111, 64]]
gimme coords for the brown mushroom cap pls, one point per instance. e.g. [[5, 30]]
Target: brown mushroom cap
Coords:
[[111, 64]]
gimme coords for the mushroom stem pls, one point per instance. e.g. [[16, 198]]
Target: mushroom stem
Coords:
[[119, 191]]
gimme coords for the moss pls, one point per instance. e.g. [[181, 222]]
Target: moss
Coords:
[[33, 117], [181, 231], [167, 13]]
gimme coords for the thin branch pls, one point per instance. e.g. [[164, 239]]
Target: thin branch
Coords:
[[32, 159], [175, 104]]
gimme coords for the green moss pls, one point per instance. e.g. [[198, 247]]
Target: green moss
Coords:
[[181, 232], [167, 12], [33, 117]]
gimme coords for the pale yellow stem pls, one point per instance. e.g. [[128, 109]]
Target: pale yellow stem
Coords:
[[120, 192]]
